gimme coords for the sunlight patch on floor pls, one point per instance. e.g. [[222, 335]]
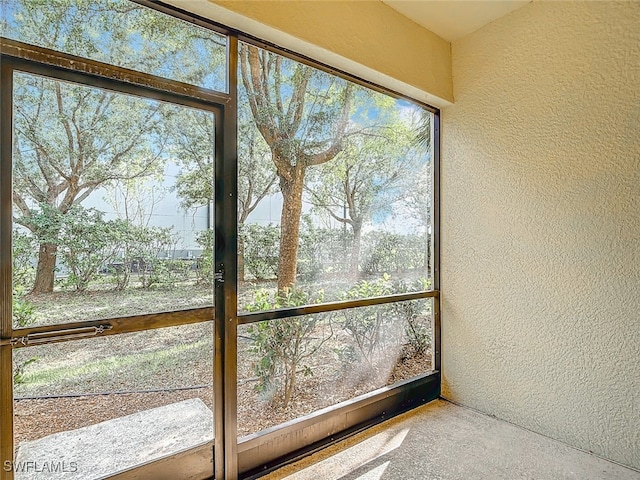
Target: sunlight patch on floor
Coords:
[[376, 473], [355, 457]]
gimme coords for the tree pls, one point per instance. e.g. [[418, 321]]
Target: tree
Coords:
[[194, 151], [422, 130], [418, 200], [302, 114], [369, 175], [135, 199], [70, 140], [122, 33]]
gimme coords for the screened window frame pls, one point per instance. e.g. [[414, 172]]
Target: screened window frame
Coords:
[[229, 463]]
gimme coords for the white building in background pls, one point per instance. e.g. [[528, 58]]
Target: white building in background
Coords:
[[154, 203]]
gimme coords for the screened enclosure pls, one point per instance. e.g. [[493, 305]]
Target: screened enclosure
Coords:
[[216, 255]]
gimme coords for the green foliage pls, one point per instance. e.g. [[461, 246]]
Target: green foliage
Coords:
[[417, 327], [285, 346], [320, 250], [194, 151], [23, 246], [310, 261], [121, 33], [23, 309], [138, 253], [331, 248], [171, 272], [83, 239], [45, 222], [328, 251], [393, 252], [195, 185], [143, 255], [261, 249], [415, 315], [120, 269], [413, 254], [377, 328], [367, 325], [381, 252], [88, 245], [368, 289], [422, 130], [71, 139], [323, 250], [371, 174], [85, 244], [281, 93], [205, 263], [18, 373], [24, 252]]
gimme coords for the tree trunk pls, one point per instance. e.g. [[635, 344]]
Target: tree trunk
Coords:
[[45, 271], [355, 249], [290, 227]]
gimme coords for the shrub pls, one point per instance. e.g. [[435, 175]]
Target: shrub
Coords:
[[123, 236], [284, 346], [415, 316], [23, 316], [23, 309], [18, 373], [379, 252], [205, 263], [310, 255], [171, 272], [85, 244], [393, 252], [24, 253], [261, 249], [142, 254], [367, 325]]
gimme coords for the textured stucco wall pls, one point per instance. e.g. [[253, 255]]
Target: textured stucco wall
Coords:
[[541, 224]]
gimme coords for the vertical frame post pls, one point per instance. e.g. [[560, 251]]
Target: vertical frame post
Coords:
[[436, 242], [226, 322], [6, 291]]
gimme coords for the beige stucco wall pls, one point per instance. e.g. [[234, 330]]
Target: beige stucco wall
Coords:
[[541, 224], [366, 38]]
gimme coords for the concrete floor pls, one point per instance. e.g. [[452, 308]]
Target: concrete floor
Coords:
[[443, 441]]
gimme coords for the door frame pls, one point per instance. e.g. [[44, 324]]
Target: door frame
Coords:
[[23, 58]]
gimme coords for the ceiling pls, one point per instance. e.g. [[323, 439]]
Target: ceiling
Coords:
[[453, 19]]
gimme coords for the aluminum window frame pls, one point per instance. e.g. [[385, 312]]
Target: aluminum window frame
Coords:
[[233, 457], [32, 60]]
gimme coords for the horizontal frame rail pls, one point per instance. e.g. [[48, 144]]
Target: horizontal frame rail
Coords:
[[53, 59], [245, 318], [111, 326], [270, 449], [279, 50], [186, 464]]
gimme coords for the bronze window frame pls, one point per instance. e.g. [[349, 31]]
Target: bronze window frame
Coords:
[[251, 456]]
